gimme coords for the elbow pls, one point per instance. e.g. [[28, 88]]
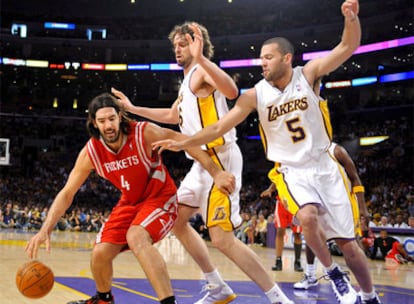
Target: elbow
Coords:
[[233, 94]]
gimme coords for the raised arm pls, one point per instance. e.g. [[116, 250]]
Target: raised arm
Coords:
[[224, 181], [212, 74], [162, 115], [350, 41], [61, 203]]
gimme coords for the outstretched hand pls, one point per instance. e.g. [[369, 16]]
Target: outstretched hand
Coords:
[[122, 98], [167, 144], [35, 242], [195, 43], [350, 9]]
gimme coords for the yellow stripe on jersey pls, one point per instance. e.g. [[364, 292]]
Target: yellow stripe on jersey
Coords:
[[283, 191], [208, 115], [323, 105], [263, 138], [218, 208], [351, 196]]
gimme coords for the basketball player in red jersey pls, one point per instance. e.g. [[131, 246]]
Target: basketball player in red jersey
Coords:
[[284, 219], [120, 151]]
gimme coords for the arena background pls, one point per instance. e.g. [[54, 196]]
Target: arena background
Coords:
[[48, 74]]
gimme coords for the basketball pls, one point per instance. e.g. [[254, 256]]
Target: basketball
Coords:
[[34, 279]]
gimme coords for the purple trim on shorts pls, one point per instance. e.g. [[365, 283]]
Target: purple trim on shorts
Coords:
[[341, 238], [183, 204]]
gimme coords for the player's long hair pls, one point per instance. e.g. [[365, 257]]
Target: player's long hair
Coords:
[[103, 101], [182, 29]]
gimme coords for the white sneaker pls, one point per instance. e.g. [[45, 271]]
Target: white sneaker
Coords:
[[278, 297], [217, 294], [344, 292], [306, 282]]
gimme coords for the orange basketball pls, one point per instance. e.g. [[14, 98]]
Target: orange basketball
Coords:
[[34, 279]]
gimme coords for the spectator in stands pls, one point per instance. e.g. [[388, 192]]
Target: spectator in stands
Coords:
[[399, 222], [261, 230], [384, 222], [3, 224], [74, 222], [242, 231], [375, 220], [411, 222], [410, 207], [63, 224]]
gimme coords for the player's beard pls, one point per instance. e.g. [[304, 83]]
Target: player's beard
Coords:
[[111, 138], [275, 74]]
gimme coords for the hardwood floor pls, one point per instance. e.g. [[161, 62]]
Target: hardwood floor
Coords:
[[70, 256]]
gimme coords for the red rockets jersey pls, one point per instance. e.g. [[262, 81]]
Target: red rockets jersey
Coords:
[[137, 175]]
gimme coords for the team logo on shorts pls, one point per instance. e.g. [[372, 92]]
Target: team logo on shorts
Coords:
[[219, 214]]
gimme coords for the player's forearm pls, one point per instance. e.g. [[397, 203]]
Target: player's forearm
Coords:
[[204, 136], [223, 82], [205, 160], [56, 211], [162, 115], [351, 36]]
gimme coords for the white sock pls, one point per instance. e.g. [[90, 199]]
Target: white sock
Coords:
[[214, 277], [368, 295], [311, 270], [275, 294], [332, 267]]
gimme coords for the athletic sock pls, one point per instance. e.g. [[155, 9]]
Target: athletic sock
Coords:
[[169, 300], [275, 294], [214, 277], [368, 295], [298, 251], [332, 267], [311, 270], [105, 296]]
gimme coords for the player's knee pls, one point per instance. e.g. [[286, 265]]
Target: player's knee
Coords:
[[350, 248], [222, 240], [308, 220], [100, 254], [138, 238]]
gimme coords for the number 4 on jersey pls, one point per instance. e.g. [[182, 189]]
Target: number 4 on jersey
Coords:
[[124, 183]]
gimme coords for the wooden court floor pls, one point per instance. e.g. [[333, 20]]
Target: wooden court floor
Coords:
[[70, 255]]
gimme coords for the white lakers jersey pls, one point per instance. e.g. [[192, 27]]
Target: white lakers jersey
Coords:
[[195, 113], [294, 127]]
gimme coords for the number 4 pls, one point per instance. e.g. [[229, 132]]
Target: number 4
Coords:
[[124, 183]]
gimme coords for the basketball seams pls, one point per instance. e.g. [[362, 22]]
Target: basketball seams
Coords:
[[34, 279]]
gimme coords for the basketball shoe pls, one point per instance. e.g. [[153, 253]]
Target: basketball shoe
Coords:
[[217, 294], [94, 300], [344, 292], [374, 300], [278, 265], [297, 266], [307, 282]]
